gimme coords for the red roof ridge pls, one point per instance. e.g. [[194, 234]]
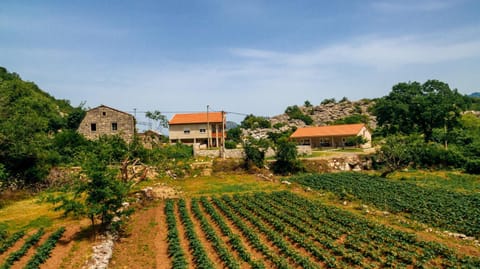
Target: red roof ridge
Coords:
[[201, 117]]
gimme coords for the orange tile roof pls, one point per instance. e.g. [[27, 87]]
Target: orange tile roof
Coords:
[[333, 130], [196, 118]]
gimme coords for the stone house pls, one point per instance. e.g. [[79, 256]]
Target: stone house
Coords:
[[205, 129], [331, 136], [104, 120], [150, 139]]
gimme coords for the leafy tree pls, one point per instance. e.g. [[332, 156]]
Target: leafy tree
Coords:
[[294, 112], [395, 153], [328, 101], [96, 194], [351, 119], [234, 135], [255, 152], [286, 158], [29, 118], [307, 104], [253, 122], [157, 116], [413, 107], [76, 116]]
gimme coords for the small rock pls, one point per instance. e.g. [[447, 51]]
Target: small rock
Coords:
[[345, 203], [286, 182]]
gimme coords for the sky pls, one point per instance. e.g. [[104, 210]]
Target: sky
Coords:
[[242, 56]]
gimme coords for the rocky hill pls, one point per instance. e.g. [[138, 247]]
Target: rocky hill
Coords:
[[323, 114]]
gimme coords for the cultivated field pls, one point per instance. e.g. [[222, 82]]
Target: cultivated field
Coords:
[[237, 221]]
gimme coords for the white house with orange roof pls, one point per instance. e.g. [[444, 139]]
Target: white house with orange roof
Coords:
[[331, 136], [206, 128]]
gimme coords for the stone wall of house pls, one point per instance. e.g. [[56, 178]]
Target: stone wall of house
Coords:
[[229, 153], [304, 150], [104, 119]]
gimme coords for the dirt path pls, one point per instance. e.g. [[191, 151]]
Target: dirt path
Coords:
[[161, 245], [66, 252], [137, 249]]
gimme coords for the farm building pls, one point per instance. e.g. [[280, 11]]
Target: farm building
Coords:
[[150, 138], [198, 128], [104, 120], [332, 136]]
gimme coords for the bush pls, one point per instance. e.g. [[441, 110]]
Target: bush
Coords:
[[355, 141], [253, 122], [255, 152], [229, 144], [473, 166], [294, 112], [286, 158]]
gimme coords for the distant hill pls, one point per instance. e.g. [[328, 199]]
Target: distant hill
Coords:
[[475, 94], [330, 113]]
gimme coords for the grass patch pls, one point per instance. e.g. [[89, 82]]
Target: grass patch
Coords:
[[220, 184], [40, 222], [449, 180]]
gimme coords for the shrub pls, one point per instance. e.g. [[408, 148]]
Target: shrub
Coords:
[[473, 166], [229, 144], [255, 152], [294, 112], [286, 158]]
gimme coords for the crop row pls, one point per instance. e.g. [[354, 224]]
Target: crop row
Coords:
[[292, 231], [200, 256], [175, 250], [378, 245], [233, 239], [218, 244], [9, 242], [17, 255], [441, 208], [43, 252]]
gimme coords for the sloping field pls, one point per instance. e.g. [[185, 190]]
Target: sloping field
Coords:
[[273, 230]]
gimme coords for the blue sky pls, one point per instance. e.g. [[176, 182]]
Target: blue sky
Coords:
[[241, 56]]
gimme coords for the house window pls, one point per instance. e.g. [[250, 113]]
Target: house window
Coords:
[[93, 127], [104, 113], [202, 130], [186, 131], [114, 126]]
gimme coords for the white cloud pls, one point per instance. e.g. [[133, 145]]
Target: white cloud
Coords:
[[374, 52], [413, 5]]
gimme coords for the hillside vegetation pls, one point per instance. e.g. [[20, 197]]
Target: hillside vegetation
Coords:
[[29, 120]]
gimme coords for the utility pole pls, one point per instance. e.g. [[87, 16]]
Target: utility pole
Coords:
[[223, 134], [208, 129]]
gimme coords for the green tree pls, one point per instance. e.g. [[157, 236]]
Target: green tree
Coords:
[[294, 112], [255, 152], [413, 107], [286, 158], [351, 119], [157, 116], [96, 194], [395, 153], [234, 135], [29, 119], [253, 122], [307, 104]]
